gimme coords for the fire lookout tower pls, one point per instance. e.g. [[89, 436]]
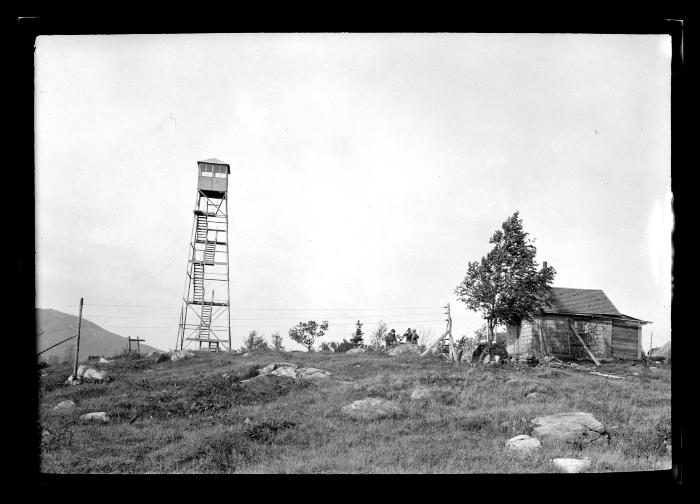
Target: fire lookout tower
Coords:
[[207, 264]]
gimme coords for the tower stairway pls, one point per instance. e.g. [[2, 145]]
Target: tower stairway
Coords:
[[198, 282], [205, 323], [202, 228], [209, 252]]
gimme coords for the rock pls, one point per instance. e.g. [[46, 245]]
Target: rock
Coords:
[[421, 394], [538, 396], [65, 405], [246, 354], [312, 374], [523, 446], [404, 349], [90, 374], [356, 351], [177, 355], [371, 408], [104, 361], [99, 416], [571, 465], [292, 370], [577, 427]]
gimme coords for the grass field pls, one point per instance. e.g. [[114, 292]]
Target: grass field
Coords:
[[194, 416]]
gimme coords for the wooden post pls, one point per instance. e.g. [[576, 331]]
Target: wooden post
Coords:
[[571, 324], [77, 345], [138, 345], [129, 343], [453, 351]]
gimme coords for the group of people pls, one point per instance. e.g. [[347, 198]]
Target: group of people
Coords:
[[410, 336]]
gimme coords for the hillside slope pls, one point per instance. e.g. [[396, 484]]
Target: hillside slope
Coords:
[[94, 340], [200, 415]]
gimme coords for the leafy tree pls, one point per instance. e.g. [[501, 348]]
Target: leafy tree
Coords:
[[333, 345], [325, 347], [277, 342], [356, 339], [306, 333], [377, 339], [506, 286], [254, 342]]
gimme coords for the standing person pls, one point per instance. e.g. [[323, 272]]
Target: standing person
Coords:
[[390, 338], [414, 336], [407, 335]]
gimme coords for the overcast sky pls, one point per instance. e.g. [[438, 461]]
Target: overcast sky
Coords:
[[366, 171]]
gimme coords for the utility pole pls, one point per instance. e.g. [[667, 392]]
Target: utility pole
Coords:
[[77, 346]]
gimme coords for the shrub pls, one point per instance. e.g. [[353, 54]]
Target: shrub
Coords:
[[277, 342], [377, 339], [254, 342], [344, 346]]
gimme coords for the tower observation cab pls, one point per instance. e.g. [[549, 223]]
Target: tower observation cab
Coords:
[[205, 316], [213, 177]]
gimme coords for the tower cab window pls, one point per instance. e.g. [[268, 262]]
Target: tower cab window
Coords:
[[207, 170]]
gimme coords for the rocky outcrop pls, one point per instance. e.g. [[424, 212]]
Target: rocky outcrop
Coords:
[[356, 351], [371, 408], [404, 349], [294, 371], [578, 427], [177, 355]]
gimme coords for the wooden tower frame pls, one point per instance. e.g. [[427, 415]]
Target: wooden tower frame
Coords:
[[208, 264]]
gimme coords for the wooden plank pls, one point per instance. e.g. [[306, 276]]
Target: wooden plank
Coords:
[[571, 324]]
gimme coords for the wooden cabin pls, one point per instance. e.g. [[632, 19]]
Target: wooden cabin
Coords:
[[213, 177], [606, 332]]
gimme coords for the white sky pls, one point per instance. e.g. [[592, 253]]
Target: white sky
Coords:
[[366, 171]]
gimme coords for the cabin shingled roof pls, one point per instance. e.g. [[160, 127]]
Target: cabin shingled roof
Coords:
[[593, 301]]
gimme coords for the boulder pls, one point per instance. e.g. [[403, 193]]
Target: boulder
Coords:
[[523, 446], [99, 416], [65, 405], [312, 374], [536, 396], [577, 427], [421, 394], [88, 373], [371, 408], [177, 355], [104, 361], [571, 465], [356, 351], [404, 349]]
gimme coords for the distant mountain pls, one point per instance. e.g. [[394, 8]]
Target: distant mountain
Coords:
[[93, 339]]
